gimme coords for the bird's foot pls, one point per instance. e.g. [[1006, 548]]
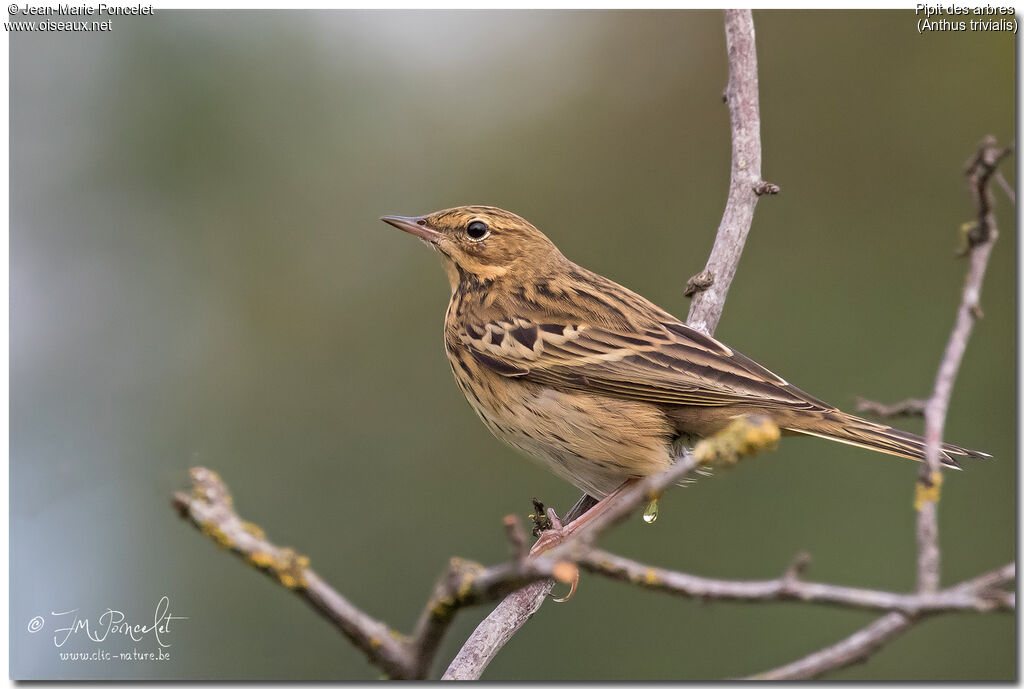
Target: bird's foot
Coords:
[[549, 538], [557, 533]]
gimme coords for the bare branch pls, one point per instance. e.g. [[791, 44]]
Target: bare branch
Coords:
[[985, 590], [496, 630], [864, 642], [1007, 189], [978, 595], [516, 537], [982, 235], [210, 508], [908, 407], [981, 238], [745, 183], [850, 650]]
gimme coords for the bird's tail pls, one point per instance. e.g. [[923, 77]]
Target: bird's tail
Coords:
[[846, 428]]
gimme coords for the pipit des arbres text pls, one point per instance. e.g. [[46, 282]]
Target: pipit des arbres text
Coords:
[[590, 378]]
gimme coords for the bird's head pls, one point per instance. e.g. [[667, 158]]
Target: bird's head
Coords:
[[481, 243]]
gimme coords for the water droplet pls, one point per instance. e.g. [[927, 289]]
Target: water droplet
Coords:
[[651, 512]]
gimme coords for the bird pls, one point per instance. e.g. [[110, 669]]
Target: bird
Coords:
[[590, 378]]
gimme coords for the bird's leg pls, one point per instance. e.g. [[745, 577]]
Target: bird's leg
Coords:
[[558, 533]]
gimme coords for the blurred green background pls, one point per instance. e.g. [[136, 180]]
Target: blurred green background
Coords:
[[198, 277]]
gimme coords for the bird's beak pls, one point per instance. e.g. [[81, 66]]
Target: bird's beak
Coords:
[[416, 226]]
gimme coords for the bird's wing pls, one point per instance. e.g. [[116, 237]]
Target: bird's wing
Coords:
[[669, 363]]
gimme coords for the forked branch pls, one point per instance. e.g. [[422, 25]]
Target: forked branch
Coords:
[[980, 236], [210, 508]]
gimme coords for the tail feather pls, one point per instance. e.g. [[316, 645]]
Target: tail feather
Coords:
[[853, 430]]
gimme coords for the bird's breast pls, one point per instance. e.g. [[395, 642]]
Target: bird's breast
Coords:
[[593, 442]]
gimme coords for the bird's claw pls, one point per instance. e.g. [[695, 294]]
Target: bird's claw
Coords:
[[551, 538], [572, 588]]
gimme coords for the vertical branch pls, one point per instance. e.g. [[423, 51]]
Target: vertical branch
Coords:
[[710, 287], [981, 236]]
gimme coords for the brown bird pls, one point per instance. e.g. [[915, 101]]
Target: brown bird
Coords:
[[592, 379]]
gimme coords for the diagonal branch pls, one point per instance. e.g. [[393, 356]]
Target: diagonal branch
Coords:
[[210, 508], [864, 642], [849, 651]]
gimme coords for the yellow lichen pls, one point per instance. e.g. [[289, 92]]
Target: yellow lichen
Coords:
[[745, 436], [924, 493], [465, 586], [651, 577], [441, 608], [253, 530], [290, 568], [261, 558], [212, 531], [966, 229]]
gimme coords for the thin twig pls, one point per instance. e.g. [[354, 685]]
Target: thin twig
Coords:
[[863, 643], [1007, 189], [908, 407], [981, 238], [979, 595], [516, 537], [709, 290]]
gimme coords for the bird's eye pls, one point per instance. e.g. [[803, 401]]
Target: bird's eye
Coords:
[[477, 230]]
